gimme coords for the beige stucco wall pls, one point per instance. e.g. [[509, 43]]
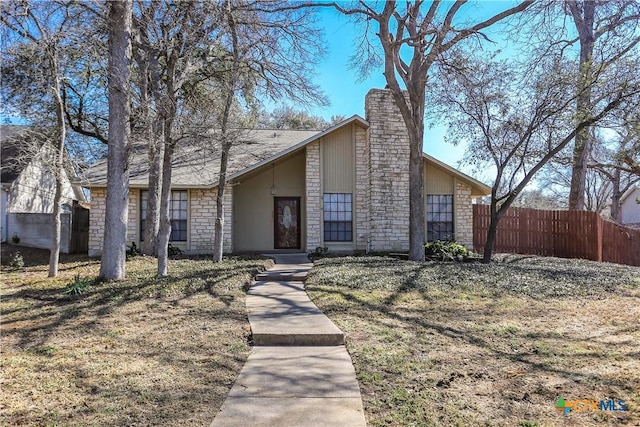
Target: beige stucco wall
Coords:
[[254, 203]]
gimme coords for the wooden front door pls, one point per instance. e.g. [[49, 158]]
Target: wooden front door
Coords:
[[286, 230]]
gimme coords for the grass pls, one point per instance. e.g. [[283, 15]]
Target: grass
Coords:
[[442, 344], [144, 351]]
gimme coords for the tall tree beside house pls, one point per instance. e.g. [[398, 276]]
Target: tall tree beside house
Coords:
[[415, 38], [517, 122], [112, 266], [267, 52], [40, 35], [598, 34]]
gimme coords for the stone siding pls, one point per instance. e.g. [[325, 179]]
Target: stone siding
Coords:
[[361, 234], [202, 216], [463, 220], [388, 172], [96, 220], [133, 222], [313, 196], [202, 210]]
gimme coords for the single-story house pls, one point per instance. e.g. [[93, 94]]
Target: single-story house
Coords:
[[630, 207], [28, 187], [345, 188]]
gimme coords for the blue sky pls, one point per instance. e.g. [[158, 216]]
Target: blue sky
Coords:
[[340, 83]]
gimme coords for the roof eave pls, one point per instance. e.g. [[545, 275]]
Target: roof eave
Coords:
[[355, 119], [484, 189]]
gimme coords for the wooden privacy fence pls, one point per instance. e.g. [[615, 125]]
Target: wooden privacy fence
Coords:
[[566, 234]]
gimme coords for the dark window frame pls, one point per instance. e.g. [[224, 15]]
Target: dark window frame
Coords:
[[179, 226], [337, 217], [440, 217]]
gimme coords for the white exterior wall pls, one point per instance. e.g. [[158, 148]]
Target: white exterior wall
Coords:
[[630, 209], [34, 230], [33, 191]]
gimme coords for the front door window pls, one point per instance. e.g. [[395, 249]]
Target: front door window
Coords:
[[287, 222]]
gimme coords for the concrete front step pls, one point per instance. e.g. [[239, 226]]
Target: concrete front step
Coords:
[[294, 386], [281, 313]]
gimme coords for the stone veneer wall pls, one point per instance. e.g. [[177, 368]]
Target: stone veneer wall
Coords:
[[313, 196], [96, 219], [388, 172], [463, 220], [362, 187], [203, 214], [202, 207]]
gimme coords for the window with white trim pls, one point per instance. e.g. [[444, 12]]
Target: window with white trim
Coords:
[[338, 225], [178, 208], [440, 217]]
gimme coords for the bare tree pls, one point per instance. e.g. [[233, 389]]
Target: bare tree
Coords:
[[112, 266], [40, 29], [598, 35], [518, 122], [268, 50], [415, 38]]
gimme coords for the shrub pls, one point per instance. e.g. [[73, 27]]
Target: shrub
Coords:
[[133, 251], [447, 251], [15, 239], [173, 251], [78, 286], [319, 252], [16, 261]]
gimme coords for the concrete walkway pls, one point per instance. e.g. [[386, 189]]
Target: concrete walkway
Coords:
[[299, 372]]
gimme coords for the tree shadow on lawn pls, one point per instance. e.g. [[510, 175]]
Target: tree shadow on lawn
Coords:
[[419, 318], [52, 308]]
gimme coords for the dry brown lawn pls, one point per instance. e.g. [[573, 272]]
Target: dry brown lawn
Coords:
[[139, 352], [445, 344]]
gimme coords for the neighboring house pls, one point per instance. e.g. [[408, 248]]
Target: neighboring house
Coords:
[[345, 188], [630, 208], [28, 186]]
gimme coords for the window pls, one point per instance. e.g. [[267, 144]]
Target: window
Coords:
[[440, 217], [337, 217], [177, 213]]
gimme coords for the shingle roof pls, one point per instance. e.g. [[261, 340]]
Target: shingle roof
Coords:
[[196, 163]]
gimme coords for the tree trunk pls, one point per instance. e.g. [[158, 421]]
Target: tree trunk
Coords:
[[219, 226], [226, 140], [112, 266], [152, 226], [164, 233], [416, 199], [616, 195], [156, 140], [61, 131], [582, 149], [492, 233]]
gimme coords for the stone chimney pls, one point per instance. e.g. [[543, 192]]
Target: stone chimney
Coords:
[[388, 173]]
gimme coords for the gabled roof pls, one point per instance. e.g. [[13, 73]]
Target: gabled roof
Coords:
[[629, 192], [196, 165], [480, 188]]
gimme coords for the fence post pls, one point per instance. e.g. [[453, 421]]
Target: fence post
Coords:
[[599, 227]]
